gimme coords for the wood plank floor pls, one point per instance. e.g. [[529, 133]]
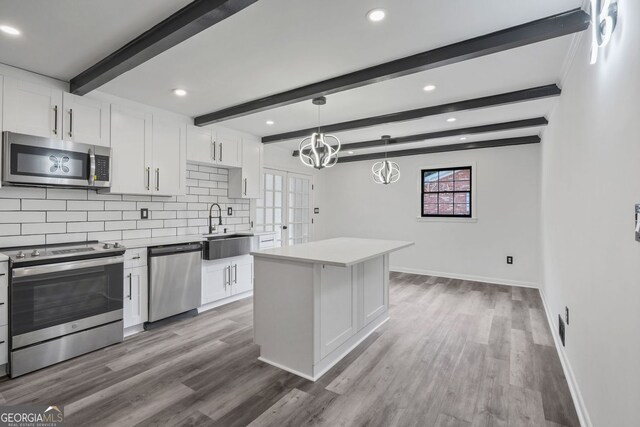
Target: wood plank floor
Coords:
[[455, 353]]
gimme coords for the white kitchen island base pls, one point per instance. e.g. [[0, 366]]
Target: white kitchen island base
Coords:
[[311, 312]]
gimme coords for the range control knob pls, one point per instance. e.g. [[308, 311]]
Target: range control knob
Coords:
[[116, 245], [35, 253], [20, 255], [106, 246]]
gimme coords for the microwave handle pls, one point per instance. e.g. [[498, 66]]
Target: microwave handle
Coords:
[[92, 167]]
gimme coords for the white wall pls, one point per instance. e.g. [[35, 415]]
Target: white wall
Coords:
[[591, 181], [507, 202]]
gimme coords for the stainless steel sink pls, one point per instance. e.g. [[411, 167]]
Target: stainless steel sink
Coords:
[[225, 246]]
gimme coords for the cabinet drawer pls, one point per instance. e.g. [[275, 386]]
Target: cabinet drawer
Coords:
[[4, 345], [3, 273], [135, 258], [4, 319], [266, 241]]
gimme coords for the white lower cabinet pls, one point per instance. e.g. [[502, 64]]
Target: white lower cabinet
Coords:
[[215, 281], [135, 296], [338, 307], [226, 277]]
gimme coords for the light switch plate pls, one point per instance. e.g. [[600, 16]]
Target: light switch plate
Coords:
[[144, 213]]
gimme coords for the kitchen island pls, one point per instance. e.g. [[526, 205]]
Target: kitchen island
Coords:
[[315, 302]]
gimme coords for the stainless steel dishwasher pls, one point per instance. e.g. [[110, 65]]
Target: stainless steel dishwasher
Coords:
[[175, 275]]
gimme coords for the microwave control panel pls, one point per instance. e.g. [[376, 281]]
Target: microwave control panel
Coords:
[[102, 168]]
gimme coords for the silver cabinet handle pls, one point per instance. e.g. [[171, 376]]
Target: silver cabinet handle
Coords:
[[212, 148], [70, 122], [157, 179], [130, 280], [148, 177], [2, 274], [92, 166], [136, 257], [221, 151], [235, 273], [55, 119], [245, 186]]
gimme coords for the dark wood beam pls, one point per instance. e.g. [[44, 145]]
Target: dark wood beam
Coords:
[[559, 25], [505, 142], [470, 104], [188, 21], [473, 130]]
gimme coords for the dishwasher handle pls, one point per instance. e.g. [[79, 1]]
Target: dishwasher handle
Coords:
[[174, 249]]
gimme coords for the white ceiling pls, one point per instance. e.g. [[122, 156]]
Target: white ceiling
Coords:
[[276, 45], [62, 38]]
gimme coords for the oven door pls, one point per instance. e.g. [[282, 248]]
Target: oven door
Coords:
[[53, 300], [34, 160]]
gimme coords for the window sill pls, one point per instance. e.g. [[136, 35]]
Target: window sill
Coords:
[[445, 219]]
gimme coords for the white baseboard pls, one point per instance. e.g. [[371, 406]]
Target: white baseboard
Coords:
[[132, 330], [466, 277], [576, 395], [284, 368], [225, 301]]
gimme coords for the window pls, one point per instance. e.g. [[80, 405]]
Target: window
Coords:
[[446, 192]]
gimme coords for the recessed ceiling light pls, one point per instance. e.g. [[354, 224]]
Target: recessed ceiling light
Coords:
[[349, 152], [9, 30], [179, 92], [451, 119], [429, 88], [269, 122], [464, 138], [376, 15]]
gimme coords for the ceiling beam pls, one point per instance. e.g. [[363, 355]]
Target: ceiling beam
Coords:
[[490, 143], [473, 130], [553, 26], [188, 21], [470, 104]]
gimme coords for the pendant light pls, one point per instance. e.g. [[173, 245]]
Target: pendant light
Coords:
[[385, 172], [315, 150]]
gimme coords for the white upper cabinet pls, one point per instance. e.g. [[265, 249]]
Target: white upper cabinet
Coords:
[[168, 140], [131, 142], [219, 147], [245, 182], [32, 109], [85, 120], [200, 145], [228, 148], [149, 153], [40, 110]]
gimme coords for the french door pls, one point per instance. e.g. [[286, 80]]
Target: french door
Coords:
[[285, 207]]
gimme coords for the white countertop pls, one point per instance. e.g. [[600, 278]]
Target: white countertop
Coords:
[[176, 240], [341, 251], [3, 258]]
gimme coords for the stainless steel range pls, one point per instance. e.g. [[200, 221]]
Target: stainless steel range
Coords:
[[64, 301]]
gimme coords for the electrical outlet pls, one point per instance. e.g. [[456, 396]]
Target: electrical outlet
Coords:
[[509, 259], [561, 329], [229, 211], [566, 315], [144, 213]]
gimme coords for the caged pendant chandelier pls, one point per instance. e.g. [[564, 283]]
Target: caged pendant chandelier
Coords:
[[385, 172], [314, 150]]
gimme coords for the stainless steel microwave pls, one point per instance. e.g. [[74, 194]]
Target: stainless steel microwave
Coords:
[[36, 161]]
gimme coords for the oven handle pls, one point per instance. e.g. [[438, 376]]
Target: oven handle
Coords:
[[92, 167], [65, 266]]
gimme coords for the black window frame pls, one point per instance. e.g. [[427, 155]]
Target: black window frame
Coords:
[[452, 168]]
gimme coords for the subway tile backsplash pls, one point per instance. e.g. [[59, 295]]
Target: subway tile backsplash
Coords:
[[33, 216]]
